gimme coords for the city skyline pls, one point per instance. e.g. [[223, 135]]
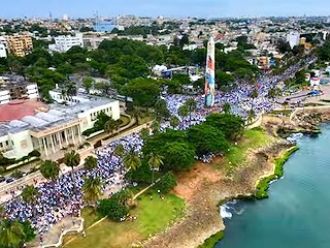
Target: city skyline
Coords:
[[170, 8]]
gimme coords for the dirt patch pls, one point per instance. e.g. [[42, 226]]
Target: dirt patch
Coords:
[[192, 181]]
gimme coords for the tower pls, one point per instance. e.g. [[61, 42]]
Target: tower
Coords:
[[210, 74]]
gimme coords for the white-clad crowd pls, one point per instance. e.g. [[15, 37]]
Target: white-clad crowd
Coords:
[[63, 197]]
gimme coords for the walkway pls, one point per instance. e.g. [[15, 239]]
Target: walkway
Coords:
[[54, 237]]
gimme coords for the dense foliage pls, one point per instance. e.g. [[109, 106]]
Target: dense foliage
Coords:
[[179, 148], [207, 139], [166, 183], [116, 207], [113, 209], [14, 234], [126, 63], [232, 126]]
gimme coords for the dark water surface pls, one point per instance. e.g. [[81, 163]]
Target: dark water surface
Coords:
[[297, 213]]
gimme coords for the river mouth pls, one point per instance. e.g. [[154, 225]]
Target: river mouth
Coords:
[[296, 214]]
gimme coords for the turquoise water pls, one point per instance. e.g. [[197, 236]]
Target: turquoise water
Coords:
[[297, 213]]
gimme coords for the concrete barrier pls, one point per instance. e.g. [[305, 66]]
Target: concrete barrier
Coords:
[[79, 229]]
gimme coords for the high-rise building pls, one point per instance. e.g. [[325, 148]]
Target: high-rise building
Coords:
[[210, 74], [19, 44]]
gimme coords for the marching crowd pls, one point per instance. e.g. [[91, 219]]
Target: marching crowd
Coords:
[[63, 197]]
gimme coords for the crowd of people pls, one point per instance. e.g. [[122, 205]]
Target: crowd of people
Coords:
[[63, 197]]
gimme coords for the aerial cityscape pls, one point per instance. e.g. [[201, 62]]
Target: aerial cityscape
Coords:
[[175, 124]]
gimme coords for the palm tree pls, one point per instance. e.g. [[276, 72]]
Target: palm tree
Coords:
[[155, 161], [174, 121], [183, 111], [161, 110], [30, 194], [110, 126], [126, 197], [119, 150], [191, 106], [226, 108], [132, 160], [251, 115], [90, 163], [92, 189], [11, 234], [155, 126], [137, 114], [72, 159], [71, 90], [50, 170], [2, 212]]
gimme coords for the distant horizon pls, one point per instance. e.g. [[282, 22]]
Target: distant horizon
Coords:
[[170, 17], [170, 8]]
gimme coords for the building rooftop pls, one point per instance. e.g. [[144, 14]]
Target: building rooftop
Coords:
[[16, 110], [37, 116]]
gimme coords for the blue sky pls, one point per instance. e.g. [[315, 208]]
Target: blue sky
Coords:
[[172, 8]]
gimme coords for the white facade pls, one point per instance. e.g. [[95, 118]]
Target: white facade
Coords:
[[3, 52], [70, 100], [21, 143], [64, 43], [4, 96], [293, 38], [89, 117], [50, 132], [32, 92]]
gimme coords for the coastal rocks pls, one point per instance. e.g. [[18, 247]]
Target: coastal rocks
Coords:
[[202, 219]]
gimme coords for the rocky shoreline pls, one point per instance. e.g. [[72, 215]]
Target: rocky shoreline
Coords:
[[202, 219]]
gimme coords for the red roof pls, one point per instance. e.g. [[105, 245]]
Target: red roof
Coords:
[[16, 110]]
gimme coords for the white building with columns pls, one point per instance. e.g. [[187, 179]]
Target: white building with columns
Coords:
[[56, 129]]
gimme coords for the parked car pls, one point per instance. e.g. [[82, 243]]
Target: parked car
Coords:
[[10, 180]]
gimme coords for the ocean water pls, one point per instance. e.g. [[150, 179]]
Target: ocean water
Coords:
[[297, 212]]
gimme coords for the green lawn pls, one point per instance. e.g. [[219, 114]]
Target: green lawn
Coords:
[[213, 240], [125, 120], [252, 139], [153, 215], [263, 185]]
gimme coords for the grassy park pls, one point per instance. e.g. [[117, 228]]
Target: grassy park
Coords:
[[153, 215], [252, 139]]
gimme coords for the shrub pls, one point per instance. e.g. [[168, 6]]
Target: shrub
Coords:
[[29, 231], [34, 153], [17, 174], [112, 208], [142, 174], [167, 183]]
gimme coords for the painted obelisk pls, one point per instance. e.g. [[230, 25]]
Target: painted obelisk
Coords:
[[210, 74]]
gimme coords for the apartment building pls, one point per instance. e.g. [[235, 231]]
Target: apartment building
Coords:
[[19, 44], [64, 42]]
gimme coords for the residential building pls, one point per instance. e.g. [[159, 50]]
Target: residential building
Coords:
[[17, 88], [64, 42], [19, 44]]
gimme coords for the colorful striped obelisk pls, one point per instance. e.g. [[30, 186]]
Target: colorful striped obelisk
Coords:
[[210, 74]]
